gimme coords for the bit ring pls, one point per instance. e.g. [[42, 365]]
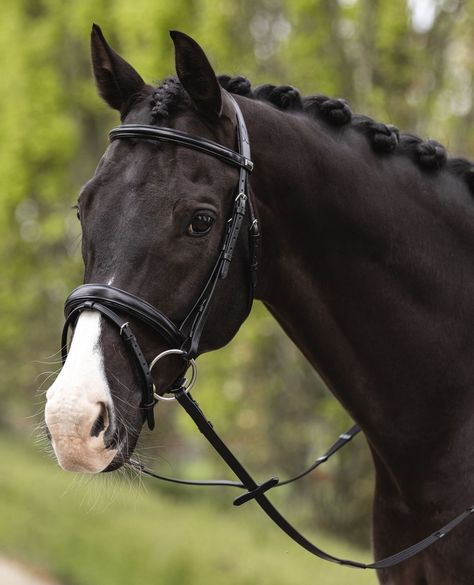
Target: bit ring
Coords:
[[188, 384]]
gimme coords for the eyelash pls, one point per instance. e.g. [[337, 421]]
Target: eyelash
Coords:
[[205, 217]]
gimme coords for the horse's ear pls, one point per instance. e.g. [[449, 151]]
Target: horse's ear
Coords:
[[196, 75], [116, 80]]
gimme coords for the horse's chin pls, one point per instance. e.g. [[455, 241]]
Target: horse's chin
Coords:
[[124, 451], [117, 462]]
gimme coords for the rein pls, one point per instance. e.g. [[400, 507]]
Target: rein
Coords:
[[184, 340]]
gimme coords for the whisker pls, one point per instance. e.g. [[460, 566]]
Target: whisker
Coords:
[[124, 386], [48, 375], [56, 353]]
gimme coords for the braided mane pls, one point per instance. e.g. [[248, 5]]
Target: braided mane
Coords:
[[429, 155]]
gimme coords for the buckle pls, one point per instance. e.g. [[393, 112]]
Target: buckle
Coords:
[[248, 164]]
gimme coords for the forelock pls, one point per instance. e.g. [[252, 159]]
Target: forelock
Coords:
[[167, 99]]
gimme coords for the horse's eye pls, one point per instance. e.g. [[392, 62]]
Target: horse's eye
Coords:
[[78, 213], [201, 224]]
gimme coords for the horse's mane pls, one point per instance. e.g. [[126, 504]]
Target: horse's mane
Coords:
[[170, 97]]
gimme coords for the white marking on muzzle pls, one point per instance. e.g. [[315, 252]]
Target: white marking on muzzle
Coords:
[[76, 399]]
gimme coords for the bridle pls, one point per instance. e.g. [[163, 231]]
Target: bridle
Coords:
[[186, 336], [184, 339]]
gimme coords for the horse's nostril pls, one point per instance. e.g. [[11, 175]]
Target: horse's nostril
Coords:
[[101, 422]]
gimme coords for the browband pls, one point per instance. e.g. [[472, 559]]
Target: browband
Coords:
[[172, 136]]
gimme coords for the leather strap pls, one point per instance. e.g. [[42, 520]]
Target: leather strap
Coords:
[[244, 187], [127, 303], [257, 492], [342, 440], [172, 136]]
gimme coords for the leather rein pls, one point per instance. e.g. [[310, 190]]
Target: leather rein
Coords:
[[184, 340]]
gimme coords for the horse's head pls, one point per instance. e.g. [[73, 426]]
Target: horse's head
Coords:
[[154, 217]]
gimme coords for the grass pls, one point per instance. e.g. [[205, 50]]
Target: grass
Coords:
[[109, 532]]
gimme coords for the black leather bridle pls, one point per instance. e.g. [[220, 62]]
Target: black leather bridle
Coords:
[[186, 336], [184, 339]]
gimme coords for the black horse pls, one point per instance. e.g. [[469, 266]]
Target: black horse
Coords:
[[366, 260]]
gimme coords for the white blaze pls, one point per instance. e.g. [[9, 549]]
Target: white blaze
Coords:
[[77, 398]]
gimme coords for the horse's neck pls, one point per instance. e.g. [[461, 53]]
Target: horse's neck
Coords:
[[368, 269]]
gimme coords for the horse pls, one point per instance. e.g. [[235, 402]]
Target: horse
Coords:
[[365, 259]]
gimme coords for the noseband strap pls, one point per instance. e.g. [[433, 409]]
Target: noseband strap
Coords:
[[127, 303], [106, 300]]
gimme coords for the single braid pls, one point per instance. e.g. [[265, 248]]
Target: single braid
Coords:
[[238, 85], [428, 154], [334, 111], [166, 98], [431, 154], [284, 97], [384, 138]]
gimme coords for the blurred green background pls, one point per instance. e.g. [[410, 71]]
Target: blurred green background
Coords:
[[407, 63]]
